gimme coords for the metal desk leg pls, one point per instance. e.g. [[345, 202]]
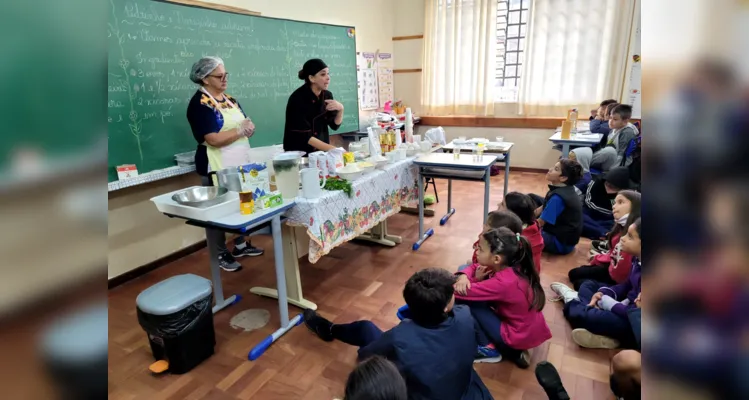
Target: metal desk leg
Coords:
[[487, 175], [218, 289], [565, 150], [422, 235], [450, 210], [283, 306], [291, 270], [507, 171]]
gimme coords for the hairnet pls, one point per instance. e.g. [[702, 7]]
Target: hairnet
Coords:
[[203, 67]]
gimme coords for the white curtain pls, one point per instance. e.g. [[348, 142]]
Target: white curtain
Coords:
[[576, 57], [459, 60]]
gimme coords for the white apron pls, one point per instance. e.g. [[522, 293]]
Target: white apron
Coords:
[[235, 154]]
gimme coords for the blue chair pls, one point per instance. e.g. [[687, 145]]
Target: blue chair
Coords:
[[633, 145]]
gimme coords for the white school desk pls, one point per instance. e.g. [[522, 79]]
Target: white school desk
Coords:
[[447, 166], [503, 155], [586, 139], [238, 223]]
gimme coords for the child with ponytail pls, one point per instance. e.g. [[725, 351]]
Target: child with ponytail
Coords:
[[524, 207], [505, 299]]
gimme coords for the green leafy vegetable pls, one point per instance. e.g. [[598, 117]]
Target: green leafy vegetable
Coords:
[[334, 183]]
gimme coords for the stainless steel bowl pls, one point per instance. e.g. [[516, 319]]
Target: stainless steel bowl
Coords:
[[201, 196]]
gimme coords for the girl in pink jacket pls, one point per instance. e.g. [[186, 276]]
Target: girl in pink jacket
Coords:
[[504, 293]]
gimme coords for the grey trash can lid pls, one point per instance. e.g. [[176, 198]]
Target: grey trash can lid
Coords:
[[79, 338], [174, 294]]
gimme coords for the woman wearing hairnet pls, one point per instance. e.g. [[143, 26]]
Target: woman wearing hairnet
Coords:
[[311, 110], [221, 129]]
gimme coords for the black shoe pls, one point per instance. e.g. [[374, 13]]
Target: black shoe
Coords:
[[524, 359], [549, 379], [600, 245], [318, 325], [228, 263], [247, 251]]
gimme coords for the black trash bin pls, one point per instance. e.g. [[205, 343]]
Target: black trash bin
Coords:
[[178, 318]]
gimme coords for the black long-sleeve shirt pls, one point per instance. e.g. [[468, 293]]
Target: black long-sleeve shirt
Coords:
[[306, 118]]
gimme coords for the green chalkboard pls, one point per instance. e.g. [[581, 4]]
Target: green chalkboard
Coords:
[[152, 46]]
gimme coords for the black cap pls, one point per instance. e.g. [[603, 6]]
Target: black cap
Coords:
[[618, 177], [312, 67]]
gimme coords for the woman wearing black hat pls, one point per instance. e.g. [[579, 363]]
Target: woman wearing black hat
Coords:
[[311, 110]]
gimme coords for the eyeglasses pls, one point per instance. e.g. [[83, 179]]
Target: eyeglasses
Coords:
[[221, 77]]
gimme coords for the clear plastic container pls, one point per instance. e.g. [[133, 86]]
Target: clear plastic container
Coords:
[[286, 168]]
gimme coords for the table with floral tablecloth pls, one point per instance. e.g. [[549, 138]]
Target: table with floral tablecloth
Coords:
[[336, 218]]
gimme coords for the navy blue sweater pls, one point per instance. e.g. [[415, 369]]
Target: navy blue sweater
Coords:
[[437, 362]]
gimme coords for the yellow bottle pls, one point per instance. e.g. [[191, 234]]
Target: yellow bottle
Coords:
[[566, 128]]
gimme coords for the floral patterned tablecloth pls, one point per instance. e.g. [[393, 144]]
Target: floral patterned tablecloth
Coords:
[[335, 218]]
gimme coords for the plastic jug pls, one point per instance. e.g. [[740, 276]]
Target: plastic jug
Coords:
[[311, 186]]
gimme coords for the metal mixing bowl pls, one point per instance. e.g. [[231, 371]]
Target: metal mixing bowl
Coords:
[[201, 196]]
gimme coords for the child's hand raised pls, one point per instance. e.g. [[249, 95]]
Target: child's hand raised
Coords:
[[482, 272], [462, 285]]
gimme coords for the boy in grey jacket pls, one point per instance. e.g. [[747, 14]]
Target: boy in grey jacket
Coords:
[[612, 148]]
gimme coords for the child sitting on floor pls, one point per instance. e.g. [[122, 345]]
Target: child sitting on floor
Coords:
[[436, 334], [522, 206], [375, 379], [598, 200], [583, 155], [560, 213], [614, 266], [598, 313], [495, 219], [506, 305]]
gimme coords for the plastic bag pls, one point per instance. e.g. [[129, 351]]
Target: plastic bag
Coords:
[[171, 325], [436, 135]]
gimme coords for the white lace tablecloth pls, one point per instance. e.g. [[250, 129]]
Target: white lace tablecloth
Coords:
[[335, 218]]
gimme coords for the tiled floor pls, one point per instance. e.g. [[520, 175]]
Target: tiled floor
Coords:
[[355, 281]]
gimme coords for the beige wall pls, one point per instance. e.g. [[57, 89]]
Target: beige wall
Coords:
[[532, 148], [138, 233]]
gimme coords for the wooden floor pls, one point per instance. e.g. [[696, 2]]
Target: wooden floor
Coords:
[[355, 281]]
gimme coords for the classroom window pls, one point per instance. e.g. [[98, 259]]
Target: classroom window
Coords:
[[512, 28]]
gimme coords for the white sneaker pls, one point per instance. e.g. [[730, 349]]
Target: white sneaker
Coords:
[[584, 338], [566, 292]]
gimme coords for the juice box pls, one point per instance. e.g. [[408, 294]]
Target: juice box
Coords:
[[270, 200], [246, 203]]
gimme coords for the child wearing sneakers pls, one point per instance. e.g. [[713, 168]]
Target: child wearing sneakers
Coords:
[[436, 334], [506, 300], [614, 266], [524, 207], [598, 313]]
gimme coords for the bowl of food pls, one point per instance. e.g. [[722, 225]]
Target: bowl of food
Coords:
[[201, 196], [350, 172], [366, 167], [413, 148], [379, 161]]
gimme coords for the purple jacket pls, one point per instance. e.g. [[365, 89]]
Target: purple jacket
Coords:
[[628, 289]]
